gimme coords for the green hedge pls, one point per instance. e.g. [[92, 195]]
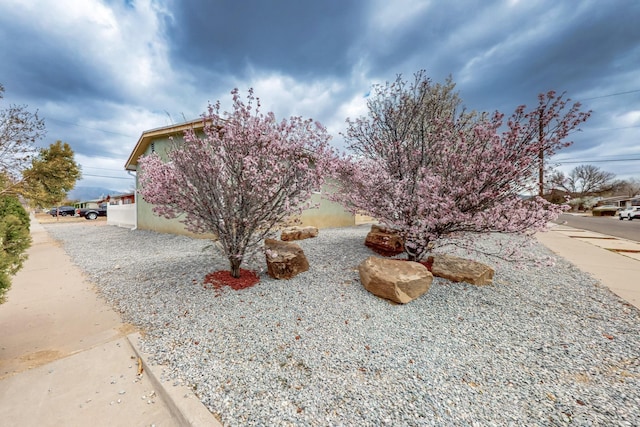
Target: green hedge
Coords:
[[14, 240]]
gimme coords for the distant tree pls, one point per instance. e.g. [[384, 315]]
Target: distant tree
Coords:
[[628, 187], [52, 174], [430, 171], [14, 240], [42, 176], [585, 180], [244, 178], [19, 130], [553, 192]]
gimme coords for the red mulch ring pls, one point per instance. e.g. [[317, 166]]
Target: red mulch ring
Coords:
[[427, 264], [218, 279]]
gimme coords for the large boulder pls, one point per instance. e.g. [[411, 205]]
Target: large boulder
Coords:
[[460, 269], [396, 280], [298, 233], [284, 260], [384, 241]]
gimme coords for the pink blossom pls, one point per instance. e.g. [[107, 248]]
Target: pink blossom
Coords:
[[430, 172], [241, 180]]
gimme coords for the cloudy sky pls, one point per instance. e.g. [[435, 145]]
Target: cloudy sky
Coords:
[[103, 71]]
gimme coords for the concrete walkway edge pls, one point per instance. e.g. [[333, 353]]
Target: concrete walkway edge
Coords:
[[615, 262], [183, 404]]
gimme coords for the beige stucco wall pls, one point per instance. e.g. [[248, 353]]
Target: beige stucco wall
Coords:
[[147, 219], [365, 219], [329, 214]]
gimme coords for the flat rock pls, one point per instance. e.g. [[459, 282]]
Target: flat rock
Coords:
[[460, 269], [284, 259], [298, 233], [384, 241], [396, 280]]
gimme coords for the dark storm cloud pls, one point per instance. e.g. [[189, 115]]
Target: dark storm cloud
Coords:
[[41, 65], [502, 56], [304, 38], [578, 55], [426, 41], [583, 49]]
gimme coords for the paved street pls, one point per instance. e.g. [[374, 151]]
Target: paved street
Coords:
[[611, 226]]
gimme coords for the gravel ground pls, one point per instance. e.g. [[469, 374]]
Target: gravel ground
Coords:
[[541, 346]]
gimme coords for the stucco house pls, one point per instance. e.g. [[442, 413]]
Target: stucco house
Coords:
[[90, 204], [609, 206], [159, 140], [122, 199]]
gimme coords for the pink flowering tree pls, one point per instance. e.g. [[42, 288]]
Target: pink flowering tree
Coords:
[[246, 176], [430, 171]]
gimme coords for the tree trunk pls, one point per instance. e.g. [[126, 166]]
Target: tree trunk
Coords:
[[418, 252], [415, 255], [235, 267], [541, 155]]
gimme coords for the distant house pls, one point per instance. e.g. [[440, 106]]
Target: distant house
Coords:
[[160, 140], [90, 204], [122, 199], [619, 201], [609, 206], [121, 210]]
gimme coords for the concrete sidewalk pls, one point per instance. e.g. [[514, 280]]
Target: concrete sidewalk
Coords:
[[612, 260], [67, 359]]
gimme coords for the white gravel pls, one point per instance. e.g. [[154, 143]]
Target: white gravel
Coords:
[[541, 346]]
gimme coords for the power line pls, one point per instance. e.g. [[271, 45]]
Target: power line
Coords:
[[624, 127], [595, 161], [610, 157], [611, 94], [104, 169], [105, 176]]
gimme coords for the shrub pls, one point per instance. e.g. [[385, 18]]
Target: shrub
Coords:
[[14, 240]]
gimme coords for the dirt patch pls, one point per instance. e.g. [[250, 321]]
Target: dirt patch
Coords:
[[48, 219], [126, 329], [581, 378], [40, 358]]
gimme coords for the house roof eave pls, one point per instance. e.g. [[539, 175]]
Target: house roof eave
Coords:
[[148, 135]]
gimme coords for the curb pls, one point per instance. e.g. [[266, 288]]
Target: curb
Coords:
[[183, 404]]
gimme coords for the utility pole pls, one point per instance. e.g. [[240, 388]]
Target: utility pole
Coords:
[[541, 155]]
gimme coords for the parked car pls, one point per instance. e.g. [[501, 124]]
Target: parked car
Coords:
[[63, 211], [93, 213], [630, 213]]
